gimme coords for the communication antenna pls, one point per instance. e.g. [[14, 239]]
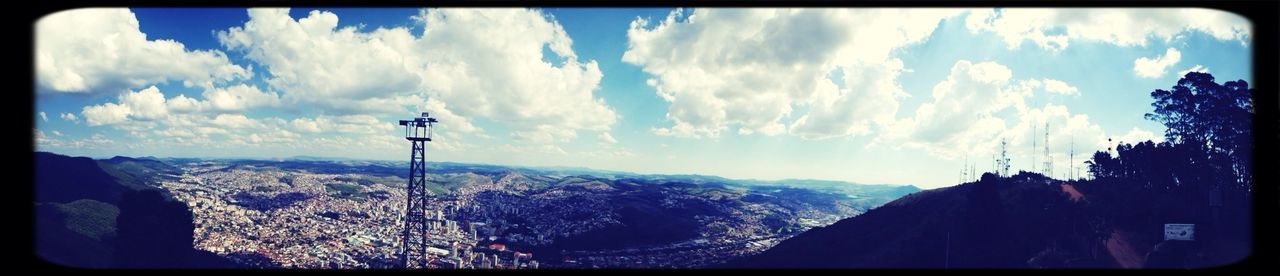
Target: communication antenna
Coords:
[[1073, 158], [1048, 159], [413, 243], [1004, 161]]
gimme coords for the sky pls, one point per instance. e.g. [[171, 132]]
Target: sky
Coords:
[[868, 95]]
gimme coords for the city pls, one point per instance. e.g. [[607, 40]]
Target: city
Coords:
[[647, 137], [266, 216]]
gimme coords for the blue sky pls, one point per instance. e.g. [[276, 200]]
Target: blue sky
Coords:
[[866, 95]]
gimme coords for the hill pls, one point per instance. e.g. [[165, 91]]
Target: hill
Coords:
[[104, 214], [64, 179], [1022, 221], [139, 173], [977, 222]]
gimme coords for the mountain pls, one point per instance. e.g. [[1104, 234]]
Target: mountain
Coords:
[[78, 234], [63, 179], [996, 222], [139, 173], [105, 214], [1023, 221]]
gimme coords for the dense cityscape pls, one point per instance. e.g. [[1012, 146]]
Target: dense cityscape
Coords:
[[265, 216]]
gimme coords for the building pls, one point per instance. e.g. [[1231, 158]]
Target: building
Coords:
[[437, 251], [498, 247]]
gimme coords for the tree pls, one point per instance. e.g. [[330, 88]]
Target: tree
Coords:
[[1102, 165], [1218, 117]]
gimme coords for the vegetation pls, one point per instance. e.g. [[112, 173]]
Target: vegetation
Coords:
[[1202, 173], [343, 189], [92, 218]]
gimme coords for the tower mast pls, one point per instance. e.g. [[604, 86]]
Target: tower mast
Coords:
[[1073, 158], [413, 242], [1048, 159], [1033, 146]]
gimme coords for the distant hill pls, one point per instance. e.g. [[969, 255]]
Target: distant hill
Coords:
[[139, 173], [867, 193], [104, 214]]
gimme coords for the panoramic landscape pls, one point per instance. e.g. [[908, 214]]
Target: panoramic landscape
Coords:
[[650, 138]]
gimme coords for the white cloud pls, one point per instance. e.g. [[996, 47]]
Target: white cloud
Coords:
[[314, 63], [70, 117], [309, 125], [1017, 25], [365, 125], [150, 104], [607, 138], [1196, 68], [961, 113], [1060, 87], [44, 117], [449, 120], [1051, 28], [1067, 132], [146, 104], [469, 63], [870, 96], [235, 99], [978, 105], [535, 150], [750, 68], [1155, 67], [45, 143], [235, 121], [1137, 135], [208, 130], [969, 115], [183, 104], [102, 50], [105, 114]]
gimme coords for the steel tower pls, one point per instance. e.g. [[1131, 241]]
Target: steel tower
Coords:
[[413, 242]]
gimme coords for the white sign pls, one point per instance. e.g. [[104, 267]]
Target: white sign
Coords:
[[1182, 232]]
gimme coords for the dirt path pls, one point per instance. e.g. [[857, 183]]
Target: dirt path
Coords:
[[1123, 252], [1117, 245], [1076, 196]]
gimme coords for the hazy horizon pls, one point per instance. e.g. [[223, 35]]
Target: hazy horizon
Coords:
[[331, 158]]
